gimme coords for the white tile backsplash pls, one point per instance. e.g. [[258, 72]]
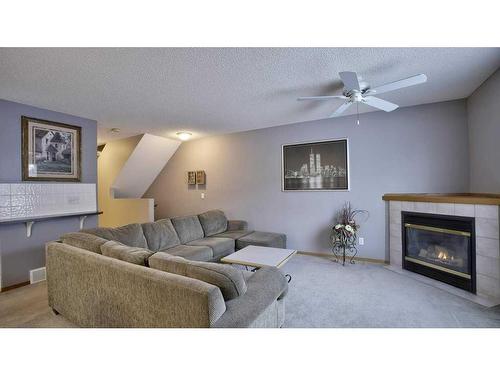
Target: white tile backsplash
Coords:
[[408, 206], [488, 286], [488, 266], [17, 200], [395, 216], [488, 247], [4, 189], [4, 200], [464, 210], [487, 211], [4, 213], [487, 227], [17, 189], [395, 205], [25, 200], [445, 209], [425, 207]]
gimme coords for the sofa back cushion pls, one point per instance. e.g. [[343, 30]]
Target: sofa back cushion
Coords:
[[84, 241], [188, 228], [130, 235], [160, 235], [228, 279], [135, 255], [213, 222]]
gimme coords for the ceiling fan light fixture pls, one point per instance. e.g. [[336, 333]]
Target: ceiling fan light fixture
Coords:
[[357, 91], [183, 136]]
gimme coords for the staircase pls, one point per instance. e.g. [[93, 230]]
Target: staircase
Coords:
[[126, 168]]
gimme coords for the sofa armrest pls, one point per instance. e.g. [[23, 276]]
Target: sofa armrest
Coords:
[[267, 285], [237, 225]]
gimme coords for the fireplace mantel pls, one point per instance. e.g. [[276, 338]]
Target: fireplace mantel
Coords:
[[463, 198]]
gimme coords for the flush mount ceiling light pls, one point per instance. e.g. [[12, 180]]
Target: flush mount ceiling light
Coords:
[[183, 136], [114, 130]]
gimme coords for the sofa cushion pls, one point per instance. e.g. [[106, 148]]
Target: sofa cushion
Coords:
[[160, 235], [203, 253], [84, 241], [230, 280], [188, 228], [117, 250], [267, 239], [130, 235], [237, 225], [220, 246], [213, 222], [234, 234]]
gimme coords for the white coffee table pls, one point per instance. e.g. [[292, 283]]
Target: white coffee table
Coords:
[[259, 256]]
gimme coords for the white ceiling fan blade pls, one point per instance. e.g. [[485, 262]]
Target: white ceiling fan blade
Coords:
[[341, 109], [350, 80], [410, 81], [322, 97], [380, 103]]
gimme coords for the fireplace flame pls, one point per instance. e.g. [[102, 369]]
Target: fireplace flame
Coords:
[[443, 255]]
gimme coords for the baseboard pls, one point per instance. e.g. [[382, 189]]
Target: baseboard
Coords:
[[359, 259], [10, 287]]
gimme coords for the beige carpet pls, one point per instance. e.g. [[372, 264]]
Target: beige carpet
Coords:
[[322, 294]]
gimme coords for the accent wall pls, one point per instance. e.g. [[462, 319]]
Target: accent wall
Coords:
[[18, 253]]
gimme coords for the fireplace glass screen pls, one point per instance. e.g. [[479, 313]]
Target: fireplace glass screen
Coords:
[[442, 249]]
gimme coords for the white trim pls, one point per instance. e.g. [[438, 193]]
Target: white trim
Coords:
[[316, 190]]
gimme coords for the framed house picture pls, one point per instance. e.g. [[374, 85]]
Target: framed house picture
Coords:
[[191, 178], [51, 151], [200, 177], [316, 166]]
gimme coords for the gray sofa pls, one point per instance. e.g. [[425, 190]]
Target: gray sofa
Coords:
[[206, 237], [164, 274]]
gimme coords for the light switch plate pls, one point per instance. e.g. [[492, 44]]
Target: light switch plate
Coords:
[[361, 241], [202, 195]]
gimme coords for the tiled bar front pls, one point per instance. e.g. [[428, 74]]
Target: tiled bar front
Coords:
[[21, 200], [487, 238]]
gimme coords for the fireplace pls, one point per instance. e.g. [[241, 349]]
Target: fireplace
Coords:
[[441, 247]]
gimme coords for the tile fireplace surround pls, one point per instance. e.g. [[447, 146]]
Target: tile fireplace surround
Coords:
[[484, 208]]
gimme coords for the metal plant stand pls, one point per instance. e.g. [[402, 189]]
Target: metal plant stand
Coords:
[[343, 252]]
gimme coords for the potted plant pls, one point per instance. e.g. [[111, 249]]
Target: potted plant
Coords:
[[345, 233]]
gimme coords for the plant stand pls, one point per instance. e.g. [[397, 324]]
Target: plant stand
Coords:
[[343, 252]]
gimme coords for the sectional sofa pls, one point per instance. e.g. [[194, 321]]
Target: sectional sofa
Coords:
[[164, 274]]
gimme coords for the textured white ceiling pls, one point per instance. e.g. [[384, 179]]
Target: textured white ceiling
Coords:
[[220, 90]]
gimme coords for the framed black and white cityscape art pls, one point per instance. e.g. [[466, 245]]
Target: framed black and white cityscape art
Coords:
[[51, 151], [316, 166]]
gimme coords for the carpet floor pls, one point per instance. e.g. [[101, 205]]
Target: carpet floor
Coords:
[[326, 294], [321, 294]]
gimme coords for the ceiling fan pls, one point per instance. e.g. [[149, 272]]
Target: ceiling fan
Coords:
[[357, 91]]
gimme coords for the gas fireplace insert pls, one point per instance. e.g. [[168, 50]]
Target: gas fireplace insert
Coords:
[[441, 247]]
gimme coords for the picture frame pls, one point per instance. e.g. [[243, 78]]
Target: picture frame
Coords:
[[200, 177], [191, 178], [315, 166], [50, 151]]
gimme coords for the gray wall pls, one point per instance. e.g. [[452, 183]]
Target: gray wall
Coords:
[[483, 109], [415, 149], [19, 254]]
